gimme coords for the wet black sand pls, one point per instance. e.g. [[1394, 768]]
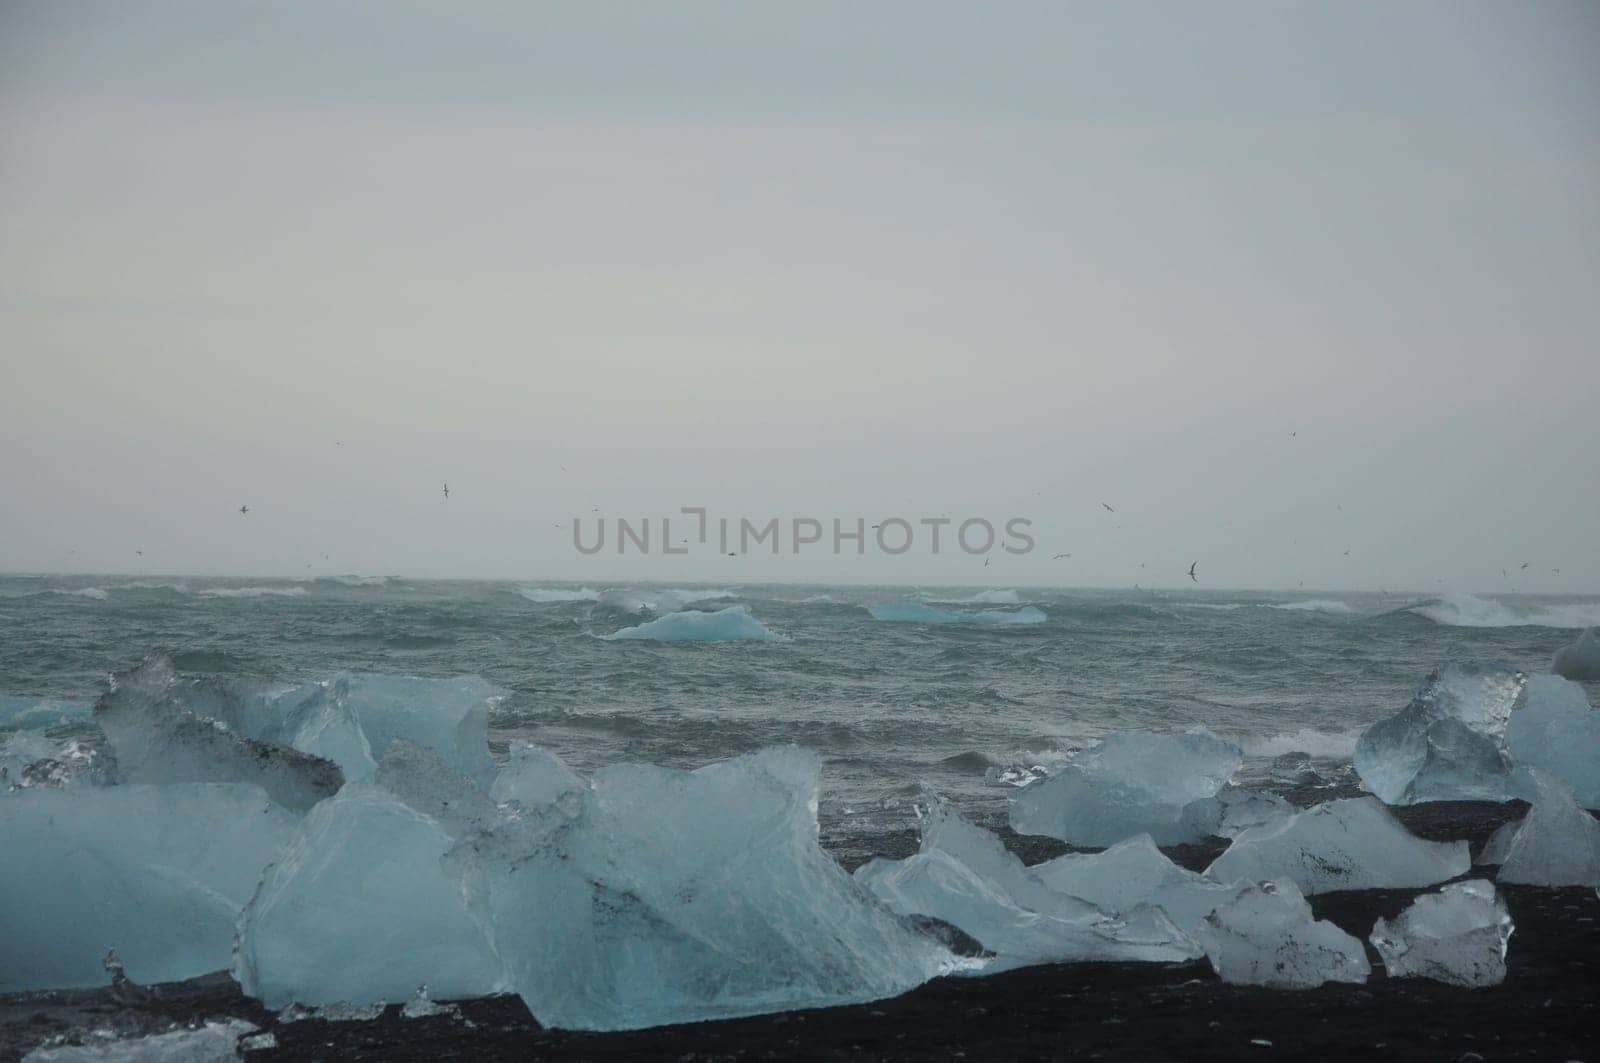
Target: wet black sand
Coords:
[[1547, 1009]]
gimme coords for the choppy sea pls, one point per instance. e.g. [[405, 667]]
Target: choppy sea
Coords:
[[968, 691]]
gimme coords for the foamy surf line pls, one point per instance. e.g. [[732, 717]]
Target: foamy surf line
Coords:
[[1468, 610]]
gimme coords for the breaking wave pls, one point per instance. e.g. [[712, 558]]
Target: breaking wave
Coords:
[[1318, 605], [918, 613], [1334, 745], [981, 598], [551, 595], [1467, 610], [669, 600], [254, 592], [82, 592]]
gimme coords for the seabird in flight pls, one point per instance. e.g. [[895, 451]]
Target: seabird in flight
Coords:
[[244, 509], [1192, 576], [447, 492], [1058, 557], [1108, 508]]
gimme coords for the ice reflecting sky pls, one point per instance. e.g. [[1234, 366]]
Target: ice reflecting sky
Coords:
[[1276, 281]]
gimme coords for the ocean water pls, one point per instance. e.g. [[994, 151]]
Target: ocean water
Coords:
[[968, 691]]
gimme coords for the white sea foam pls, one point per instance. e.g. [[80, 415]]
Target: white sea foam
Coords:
[[1335, 745], [981, 598], [658, 601], [1317, 605], [1467, 610], [82, 592], [919, 613], [553, 595], [254, 592]]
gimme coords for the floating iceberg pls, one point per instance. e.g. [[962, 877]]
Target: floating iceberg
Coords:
[[213, 1042], [918, 613], [158, 739], [1457, 936], [1580, 659], [1352, 844], [733, 624], [1134, 873], [1557, 843], [963, 875], [1267, 936], [1445, 745], [159, 873], [1164, 785], [677, 896], [362, 907], [1554, 728]]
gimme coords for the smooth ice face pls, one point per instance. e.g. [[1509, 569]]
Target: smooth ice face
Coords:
[[158, 873], [1557, 844], [1580, 659], [534, 777], [1457, 936], [1244, 810], [362, 907], [1353, 844], [733, 624], [449, 716], [1554, 728], [1132, 783], [1445, 745], [324, 724], [157, 739], [1267, 936], [676, 896], [1134, 873], [963, 875]]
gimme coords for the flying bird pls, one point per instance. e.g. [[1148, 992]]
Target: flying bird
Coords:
[[447, 491], [244, 509], [1108, 508], [1192, 576], [139, 552], [1058, 557], [1524, 564], [986, 562]]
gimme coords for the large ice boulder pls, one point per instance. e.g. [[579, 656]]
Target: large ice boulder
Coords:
[[1556, 844], [1163, 785], [1445, 745], [1580, 659], [1457, 935], [1351, 844], [534, 777], [212, 1042], [158, 873], [1134, 873], [664, 896], [1553, 727], [1267, 936], [364, 906], [158, 738], [963, 875]]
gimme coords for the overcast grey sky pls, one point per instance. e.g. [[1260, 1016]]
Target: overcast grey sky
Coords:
[[1274, 280]]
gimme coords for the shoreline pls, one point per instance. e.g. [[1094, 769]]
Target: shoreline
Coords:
[[1548, 1007]]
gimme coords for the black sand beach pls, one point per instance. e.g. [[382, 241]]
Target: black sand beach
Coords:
[[1547, 1009]]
